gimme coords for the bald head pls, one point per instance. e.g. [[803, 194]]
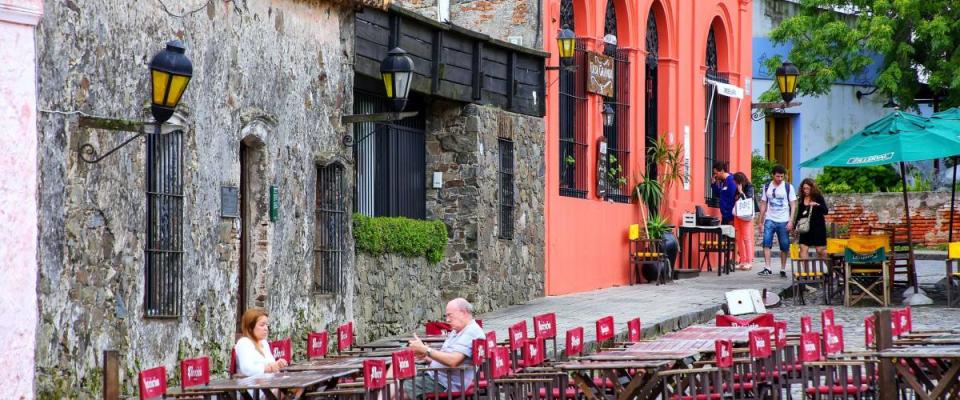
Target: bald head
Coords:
[[459, 313]]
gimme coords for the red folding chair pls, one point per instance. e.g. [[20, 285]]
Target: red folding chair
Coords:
[[437, 328], [806, 324], [759, 376], [574, 342], [545, 328], [232, 369], [633, 330], [153, 383], [282, 348], [841, 379], [516, 335], [605, 331], [317, 343], [491, 341], [826, 319], [474, 367], [194, 372], [703, 383], [833, 340], [404, 368], [344, 337], [869, 334], [729, 320]]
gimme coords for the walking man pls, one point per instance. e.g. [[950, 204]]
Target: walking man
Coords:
[[777, 203]]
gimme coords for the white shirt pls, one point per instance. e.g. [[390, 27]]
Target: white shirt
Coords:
[[459, 342], [249, 361], [778, 205]]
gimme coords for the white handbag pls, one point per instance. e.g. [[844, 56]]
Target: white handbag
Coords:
[[743, 209]]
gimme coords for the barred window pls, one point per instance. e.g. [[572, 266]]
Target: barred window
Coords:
[[164, 247], [717, 132], [617, 135], [572, 116], [506, 188], [328, 236]]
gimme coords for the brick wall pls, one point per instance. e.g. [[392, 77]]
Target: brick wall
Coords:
[[929, 214]]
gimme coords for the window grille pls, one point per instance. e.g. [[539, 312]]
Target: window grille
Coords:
[[164, 246], [391, 161], [717, 132], [650, 95], [573, 129], [506, 188], [329, 232], [617, 135]]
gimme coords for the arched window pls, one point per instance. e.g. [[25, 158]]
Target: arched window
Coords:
[[717, 124], [617, 135], [650, 88], [572, 117]]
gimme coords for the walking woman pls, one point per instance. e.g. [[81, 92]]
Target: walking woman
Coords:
[[744, 228], [813, 206]]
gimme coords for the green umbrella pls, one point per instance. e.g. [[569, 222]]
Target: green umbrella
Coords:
[[947, 122], [898, 137]]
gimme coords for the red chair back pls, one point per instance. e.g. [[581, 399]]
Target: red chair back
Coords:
[[895, 323], [232, 369], [153, 383], [479, 322], [518, 333], [780, 334], [437, 328], [724, 349], [194, 371], [729, 320], [574, 342], [906, 320], [282, 348], [491, 341], [317, 344], [764, 320], [833, 340], [806, 324], [809, 347], [374, 374], [545, 326], [826, 319], [633, 330], [760, 343], [869, 336], [500, 362], [605, 329], [404, 364], [533, 352], [479, 351], [345, 337]]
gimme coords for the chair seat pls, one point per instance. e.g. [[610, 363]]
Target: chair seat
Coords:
[[712, 396], [444, 395], [739, 386], [642, 254], [874, 271], [808, 274], [569, 393], [837, 389]]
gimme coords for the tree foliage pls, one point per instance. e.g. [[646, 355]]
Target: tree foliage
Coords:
[[918, 40]]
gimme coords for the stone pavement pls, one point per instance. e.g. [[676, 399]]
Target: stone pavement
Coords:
[[661, 308]]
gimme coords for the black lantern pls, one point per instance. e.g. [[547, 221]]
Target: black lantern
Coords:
[[396, 71], [566, 44], [890, 103], [608, 115], [170, 72], [787, 75]]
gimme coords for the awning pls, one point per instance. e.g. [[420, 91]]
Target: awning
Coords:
[[728, 90]]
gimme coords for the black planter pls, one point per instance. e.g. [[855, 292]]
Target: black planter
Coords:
[[671, 246]]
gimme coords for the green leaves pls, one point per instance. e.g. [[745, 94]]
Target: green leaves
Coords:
[[917, 40], [398, 235]]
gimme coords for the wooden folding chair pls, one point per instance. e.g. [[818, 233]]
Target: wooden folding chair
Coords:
[[840, 379], [649, 253], [317, 344], [953, 283], [706, 382], [545, 328], [810, 271], [714, 242], [900, 253], [867, 273]]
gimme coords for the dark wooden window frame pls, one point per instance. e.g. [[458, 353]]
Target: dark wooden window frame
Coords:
[[163, 284]]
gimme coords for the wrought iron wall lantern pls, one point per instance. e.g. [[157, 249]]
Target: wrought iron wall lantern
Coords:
[[566, 46], [786, 76], [170, 72], [396, 70], [609, 115]]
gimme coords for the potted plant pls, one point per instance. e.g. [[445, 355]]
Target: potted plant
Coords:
[[671, 169]]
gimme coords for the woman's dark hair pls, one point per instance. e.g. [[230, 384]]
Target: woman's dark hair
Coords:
[[814, 191], [741, 178]]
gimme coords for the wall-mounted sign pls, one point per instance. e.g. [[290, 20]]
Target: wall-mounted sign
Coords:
[[601, 167], [600, 80], [230, 202], [274, 203]]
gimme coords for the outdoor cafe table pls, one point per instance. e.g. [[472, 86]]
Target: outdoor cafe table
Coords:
[[921, 378], [640, 377], [355, 363], [262, 386], [735, 334]]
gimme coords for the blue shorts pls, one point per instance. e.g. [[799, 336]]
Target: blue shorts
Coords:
[[780, 228]]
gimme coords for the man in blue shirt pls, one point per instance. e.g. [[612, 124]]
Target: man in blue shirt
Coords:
[[725, 189]]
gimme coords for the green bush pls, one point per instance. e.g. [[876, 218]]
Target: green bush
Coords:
[[398, 235], [878, 178], [760, 168]]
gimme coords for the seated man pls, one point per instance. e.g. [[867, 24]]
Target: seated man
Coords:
[[456, 351]]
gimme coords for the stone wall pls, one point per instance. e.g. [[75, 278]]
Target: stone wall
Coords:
[[275, 76], [929, 214], [500, 19], [489, 271]]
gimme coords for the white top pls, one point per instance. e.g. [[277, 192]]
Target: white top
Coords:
[[778, 205], [249, 361]]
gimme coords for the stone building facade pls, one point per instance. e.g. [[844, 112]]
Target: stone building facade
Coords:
[[261, 135], [514, 21]]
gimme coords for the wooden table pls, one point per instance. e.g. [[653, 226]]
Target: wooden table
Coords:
[[630, 379], [928, 381], [262, 386], [735, 334]]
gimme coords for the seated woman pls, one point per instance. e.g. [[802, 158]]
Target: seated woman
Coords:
[[253, 351]]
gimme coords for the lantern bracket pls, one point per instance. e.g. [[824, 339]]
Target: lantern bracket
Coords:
[[89, 154]]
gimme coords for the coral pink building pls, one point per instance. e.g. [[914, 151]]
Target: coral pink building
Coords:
[[667, 54]]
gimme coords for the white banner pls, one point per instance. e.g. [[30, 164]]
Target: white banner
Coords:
[[726, 89]]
